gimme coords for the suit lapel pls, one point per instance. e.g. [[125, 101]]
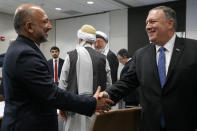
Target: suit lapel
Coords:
[[59, 67], [154, 63], [177, 51]]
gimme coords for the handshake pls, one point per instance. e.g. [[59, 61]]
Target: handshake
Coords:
[[103, 101]]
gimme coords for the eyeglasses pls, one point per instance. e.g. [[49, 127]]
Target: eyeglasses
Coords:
[[98, 41]]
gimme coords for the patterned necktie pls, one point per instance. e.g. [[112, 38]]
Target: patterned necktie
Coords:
[[56, 75], [162, 66]]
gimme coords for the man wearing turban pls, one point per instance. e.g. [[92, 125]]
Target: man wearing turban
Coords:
[[84, 69], [102, 46]]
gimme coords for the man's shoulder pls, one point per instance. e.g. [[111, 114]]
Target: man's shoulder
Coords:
[[96, 53], [111, 53], [2, 55], [72, 51], [19, 48], [50, 60], [188, 40], [61, 60], [144, 49], [72, 55]]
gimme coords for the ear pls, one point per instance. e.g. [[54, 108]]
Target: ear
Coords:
[[171, 23], [80, 40], [28, 27]]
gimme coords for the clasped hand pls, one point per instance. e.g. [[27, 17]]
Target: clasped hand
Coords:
[[103, 102]]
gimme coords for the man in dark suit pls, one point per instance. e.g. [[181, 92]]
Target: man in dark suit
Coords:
[[1, 59], [132, 99], [102, 46], [55, 64], [165, 70], [31, 97], [1, 64]]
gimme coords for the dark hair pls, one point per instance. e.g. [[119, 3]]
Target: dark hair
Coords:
[[169, 12], [123, 53], [55, 48]]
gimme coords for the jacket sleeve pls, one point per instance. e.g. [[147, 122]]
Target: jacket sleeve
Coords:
[[125, 85], [33, 73]]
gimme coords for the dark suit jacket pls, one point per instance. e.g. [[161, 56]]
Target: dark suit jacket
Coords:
[[132, 99], [113, 63], [31, 97], [1, 59], [177, 99], [125, 69], [60, 64], [1, 64]]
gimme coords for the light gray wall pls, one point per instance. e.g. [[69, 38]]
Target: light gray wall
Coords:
[[118, 37], [118, 30], [113, 23], [115, 26], [191, 19], [45, 47], [66, 30], [7, 30]]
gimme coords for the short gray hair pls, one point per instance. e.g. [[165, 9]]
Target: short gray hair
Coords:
[[19, 20], [169, 13]]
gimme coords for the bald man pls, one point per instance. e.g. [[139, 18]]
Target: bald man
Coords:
[[31, 97]]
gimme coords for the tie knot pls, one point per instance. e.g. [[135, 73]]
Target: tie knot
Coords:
[[162, 49], [55, 60]]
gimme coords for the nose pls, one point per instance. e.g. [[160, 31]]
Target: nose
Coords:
[[147, 26], [95, 44], [49, 26]]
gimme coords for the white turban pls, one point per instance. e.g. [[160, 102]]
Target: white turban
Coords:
[[103, 36], [84, 66], [87, 33]]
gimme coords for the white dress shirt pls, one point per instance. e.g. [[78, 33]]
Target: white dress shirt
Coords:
[[168, 52]]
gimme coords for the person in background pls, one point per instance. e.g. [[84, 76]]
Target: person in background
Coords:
[[102, 46], [165, 70], [83, 71], [55, 64], [31, 96], [124, 58], [1, 65], [1, 81], [1, 59], [3, 54]]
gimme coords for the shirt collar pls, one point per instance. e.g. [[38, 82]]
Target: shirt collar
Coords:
[[87, 45], [55, 59], [169, 45], [129, 59], [37, 45]]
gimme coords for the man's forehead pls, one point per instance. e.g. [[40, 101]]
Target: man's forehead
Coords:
[[153, 14], [100, 39], [53, 50]]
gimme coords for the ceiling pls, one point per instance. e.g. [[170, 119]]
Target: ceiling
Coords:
[[71, 8]]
